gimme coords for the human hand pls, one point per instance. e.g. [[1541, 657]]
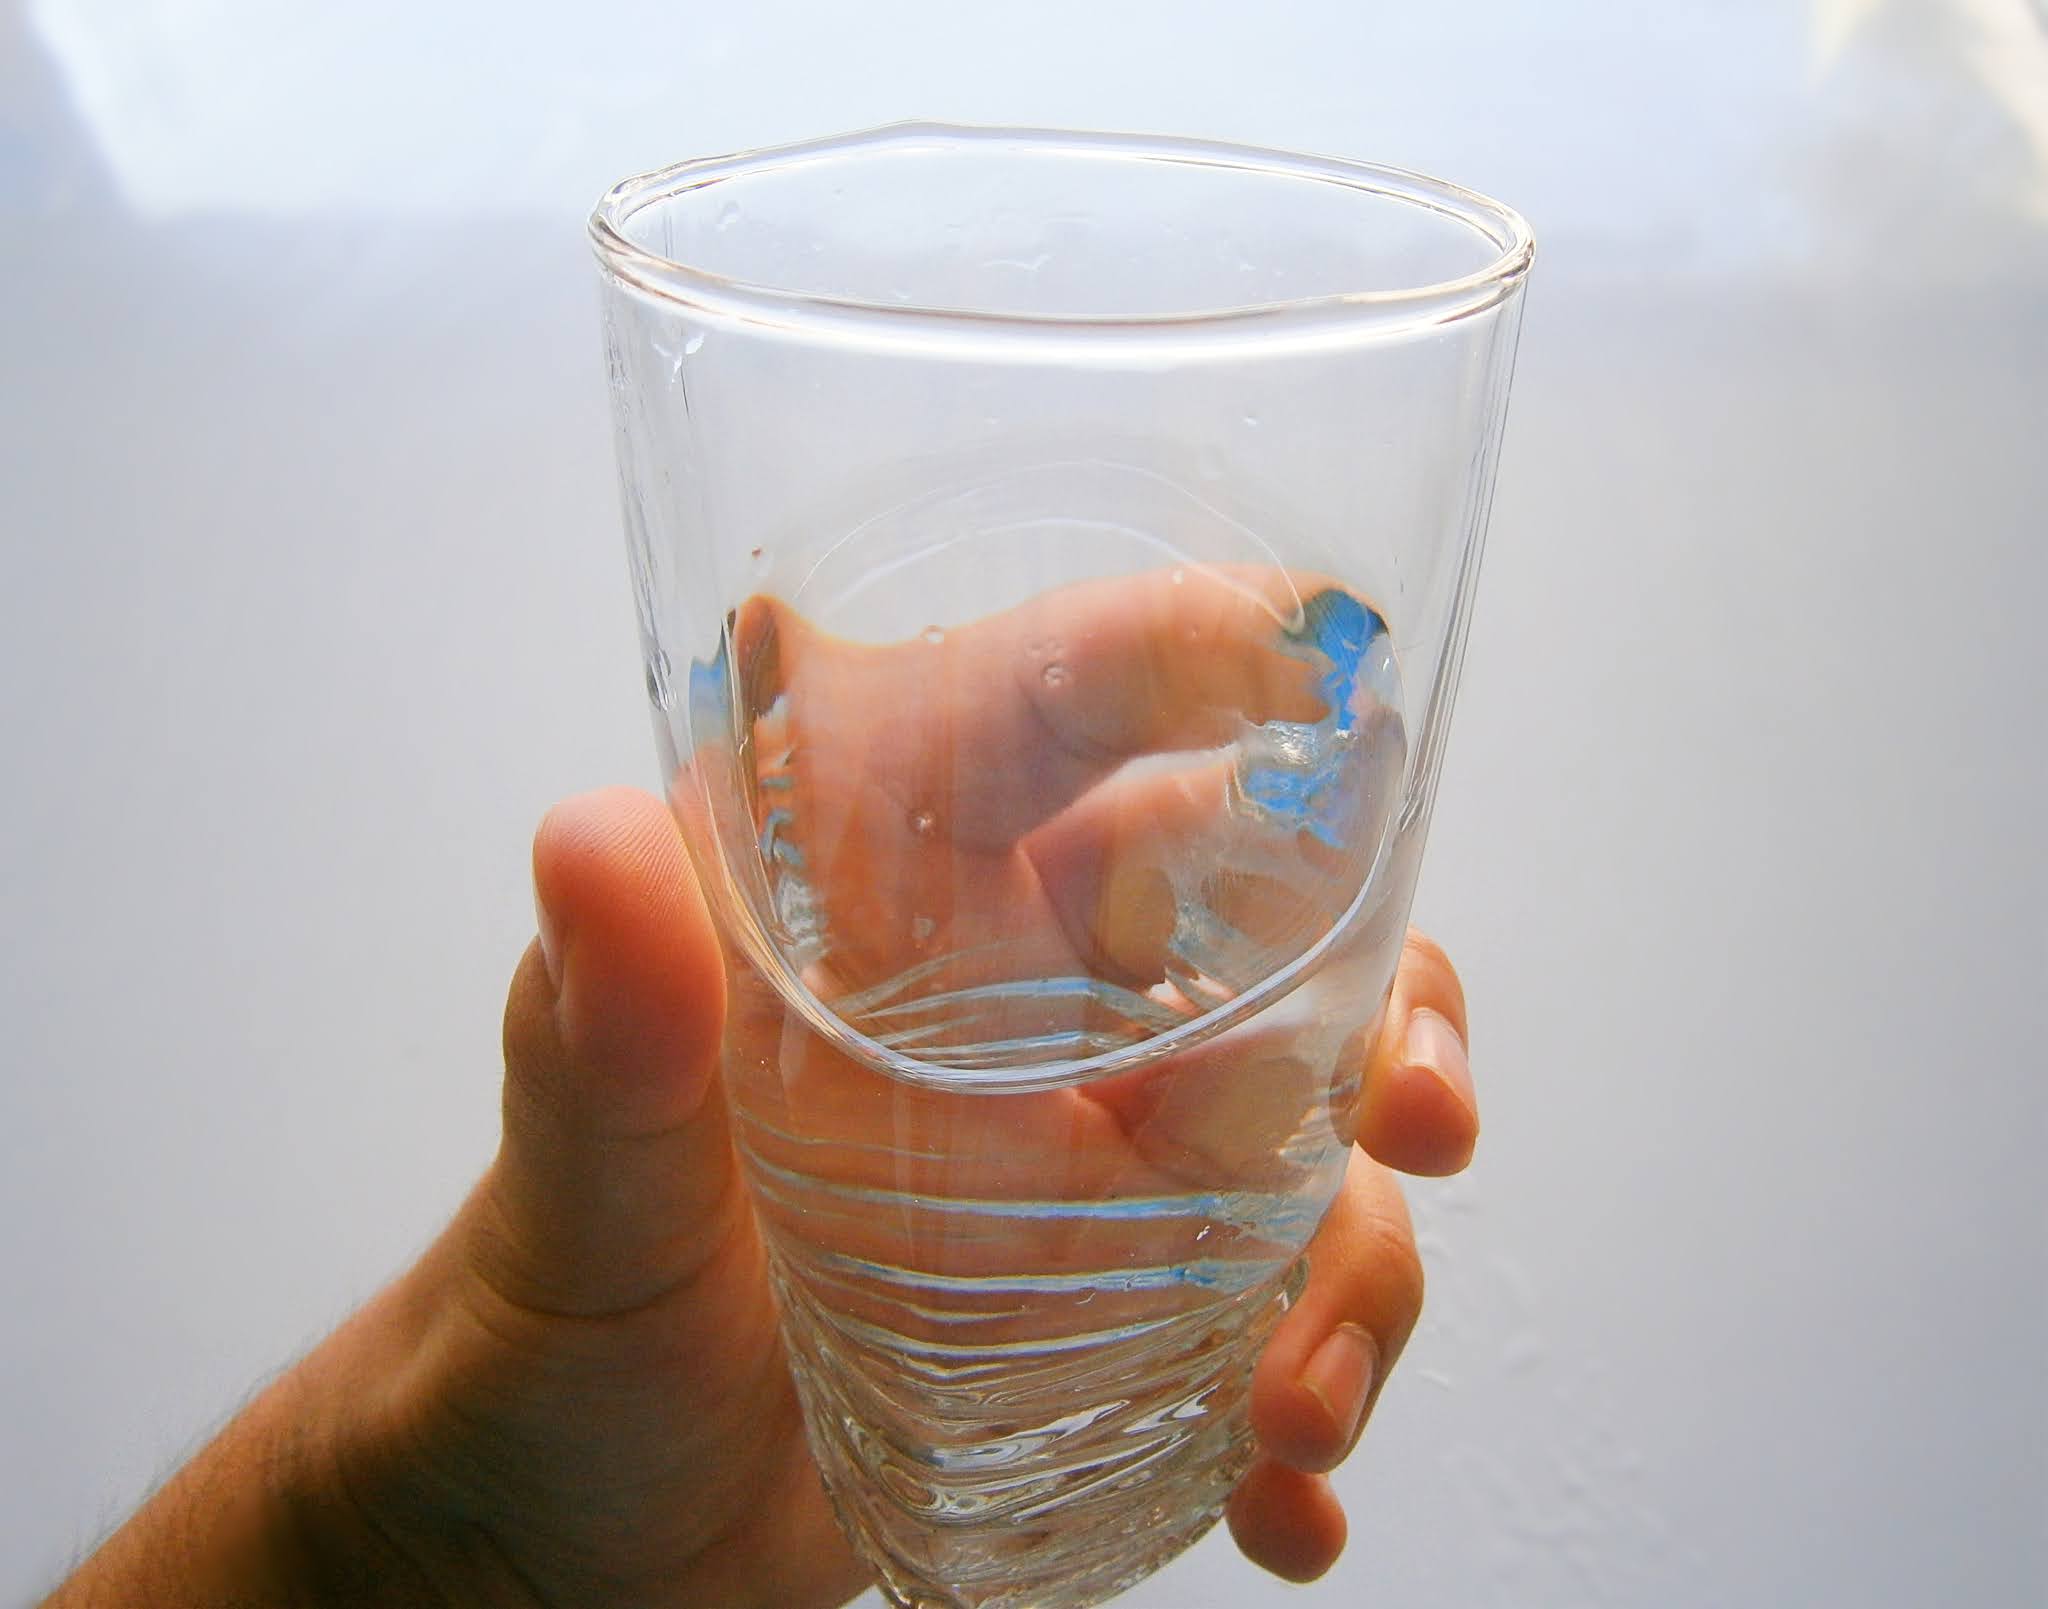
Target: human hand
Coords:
[[596, 1402], [578, 1395]]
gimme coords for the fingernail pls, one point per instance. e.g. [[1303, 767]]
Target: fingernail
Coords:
[[1339, 1376], [550, 941], [1432, 1042]]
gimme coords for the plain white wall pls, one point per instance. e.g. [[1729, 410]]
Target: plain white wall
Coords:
[[311, 599]]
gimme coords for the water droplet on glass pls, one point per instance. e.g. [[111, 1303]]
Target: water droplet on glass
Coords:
[[695, 343], [1252, 419], [933, 635], [922, 822], [728, 215], [1055, 675]]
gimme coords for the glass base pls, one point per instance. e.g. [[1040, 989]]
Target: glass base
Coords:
[[1075, 1561], [1087, 1514]]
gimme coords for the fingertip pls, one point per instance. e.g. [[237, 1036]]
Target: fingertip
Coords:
[[1415, 1120], [1417, 1109], [589, 844], [1287, 1522], [625, 937], [1313, 1390], [1323, 1367], [1292, 1424]]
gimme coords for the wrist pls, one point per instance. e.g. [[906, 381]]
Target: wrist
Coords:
[[371, 1515], [334, 1516], [252, 1519], [305, 1500]]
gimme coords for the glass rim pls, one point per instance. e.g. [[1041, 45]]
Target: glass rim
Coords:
[[1377, 311]]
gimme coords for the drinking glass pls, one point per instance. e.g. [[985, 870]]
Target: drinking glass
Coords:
[[1052, 554]]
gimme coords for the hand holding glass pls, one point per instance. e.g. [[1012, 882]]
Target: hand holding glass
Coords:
[[1053, 555]]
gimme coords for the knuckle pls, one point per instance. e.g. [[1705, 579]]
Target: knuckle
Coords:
[[1379, 1244], [1422, 953], [1429, 977], [1393, 1266]]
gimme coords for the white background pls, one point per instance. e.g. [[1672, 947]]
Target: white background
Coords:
[[311, 600]]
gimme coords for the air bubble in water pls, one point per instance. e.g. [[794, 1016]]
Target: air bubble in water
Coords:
[[934, 636], [728, 215], [922, 928], [1055, 675], [694, 344], [922, 822], [1179, 576]]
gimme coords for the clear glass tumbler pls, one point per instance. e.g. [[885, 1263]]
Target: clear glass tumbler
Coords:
[[1053, 553]]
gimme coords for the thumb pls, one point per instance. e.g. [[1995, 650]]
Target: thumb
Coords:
[[615, 1181]]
